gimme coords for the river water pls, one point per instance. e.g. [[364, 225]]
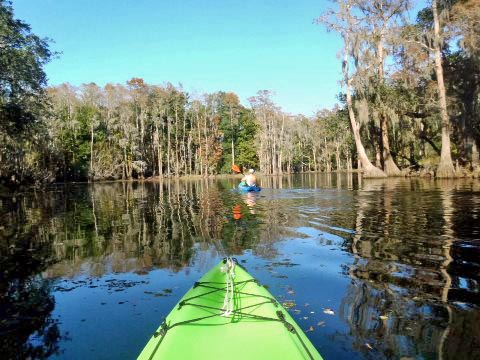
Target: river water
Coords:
[[370, 269]]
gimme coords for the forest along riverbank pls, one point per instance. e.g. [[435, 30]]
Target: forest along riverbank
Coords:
[[383, 268]]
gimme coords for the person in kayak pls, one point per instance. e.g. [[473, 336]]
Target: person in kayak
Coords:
[[250, 179]]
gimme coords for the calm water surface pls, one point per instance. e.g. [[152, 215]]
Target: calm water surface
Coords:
[[385, 269]]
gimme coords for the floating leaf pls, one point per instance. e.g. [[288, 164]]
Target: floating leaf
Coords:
[[288, 304], [329, 311]]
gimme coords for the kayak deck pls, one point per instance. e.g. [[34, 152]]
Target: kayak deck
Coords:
[[259, 327]]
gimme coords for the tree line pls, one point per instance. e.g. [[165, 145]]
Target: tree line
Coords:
[[411, 102], [141, 130]]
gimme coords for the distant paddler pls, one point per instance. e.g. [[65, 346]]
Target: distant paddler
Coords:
[[249, 179]]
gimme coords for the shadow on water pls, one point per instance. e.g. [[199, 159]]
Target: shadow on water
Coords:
[[397, 261]]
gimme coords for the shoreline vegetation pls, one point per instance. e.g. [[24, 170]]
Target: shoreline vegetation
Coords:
[[409, 108], [424, 174]]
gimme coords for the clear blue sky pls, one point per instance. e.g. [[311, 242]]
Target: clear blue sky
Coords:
[[207, 45]]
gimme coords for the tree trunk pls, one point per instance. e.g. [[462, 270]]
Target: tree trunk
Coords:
[[280, 159], [142, 135], [184, 144], [177, 165], [475, 154], [232, 134], [206, 142], [445, 167], [389, 166], [368, 169], [337, 156], [168, 145], [156, 141], [190, 156], [91, 152], [274, 147], [125, 163], [327, 156]]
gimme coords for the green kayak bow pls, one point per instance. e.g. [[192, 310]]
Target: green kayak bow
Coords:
[[227, 314]]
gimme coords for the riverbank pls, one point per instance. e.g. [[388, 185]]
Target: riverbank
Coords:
[[9, 188]]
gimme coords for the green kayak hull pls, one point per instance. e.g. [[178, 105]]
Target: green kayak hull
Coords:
[[259, 328]]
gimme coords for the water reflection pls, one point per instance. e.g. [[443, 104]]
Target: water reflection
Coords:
[[408, 291], [409, 250], [122, 227], [27, 329], [250, 200]]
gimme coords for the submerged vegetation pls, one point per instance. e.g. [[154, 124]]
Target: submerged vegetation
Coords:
[[411, 104]]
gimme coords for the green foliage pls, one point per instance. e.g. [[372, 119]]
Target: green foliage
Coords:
[[425, 18], [247, 149], [237, 125], [22, 100], [22, 78]]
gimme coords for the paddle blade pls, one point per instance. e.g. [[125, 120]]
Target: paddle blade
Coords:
[[236, 169]]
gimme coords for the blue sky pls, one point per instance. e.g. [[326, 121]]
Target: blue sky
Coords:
[[241, 46]]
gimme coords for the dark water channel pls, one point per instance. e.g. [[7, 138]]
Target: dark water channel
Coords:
[[385, 269]]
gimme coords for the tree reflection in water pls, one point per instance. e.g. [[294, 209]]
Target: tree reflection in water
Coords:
[[27, 329], [129, 226], [410, 294]]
